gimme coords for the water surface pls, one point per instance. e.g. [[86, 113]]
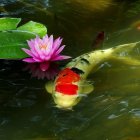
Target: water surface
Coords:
[[111, 112]]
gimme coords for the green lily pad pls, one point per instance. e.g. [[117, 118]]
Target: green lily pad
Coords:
[[34, 27], [9, 23], [13, 38], [11, 45]]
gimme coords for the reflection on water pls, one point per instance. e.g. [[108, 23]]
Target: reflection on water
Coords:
[[35, 71], [112, 112]]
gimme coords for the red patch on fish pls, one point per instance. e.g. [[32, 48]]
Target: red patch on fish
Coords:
[[65, 82], [69, 89]]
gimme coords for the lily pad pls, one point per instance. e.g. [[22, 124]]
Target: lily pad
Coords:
[[9, 23], [11, 43], [35, 27], [13, 38]]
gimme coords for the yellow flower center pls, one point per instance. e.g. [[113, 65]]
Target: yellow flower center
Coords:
[[42, 46]]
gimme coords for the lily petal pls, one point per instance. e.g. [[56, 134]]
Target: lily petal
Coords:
[[60, 57], [57, 43], [28, 52], [59, 50], [29, 60]]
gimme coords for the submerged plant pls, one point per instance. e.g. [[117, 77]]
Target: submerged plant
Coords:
[[44, 51]]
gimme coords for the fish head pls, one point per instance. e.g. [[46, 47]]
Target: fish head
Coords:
[[66, 87], [65, 102]]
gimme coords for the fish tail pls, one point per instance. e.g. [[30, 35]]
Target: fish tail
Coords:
[[127, 53]]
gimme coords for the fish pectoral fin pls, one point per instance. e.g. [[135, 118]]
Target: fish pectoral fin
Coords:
[[86, 88], [49, 86]]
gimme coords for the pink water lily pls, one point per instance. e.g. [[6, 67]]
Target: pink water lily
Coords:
[[44, 51]]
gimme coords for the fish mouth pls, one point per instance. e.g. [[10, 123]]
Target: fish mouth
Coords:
[[64, 105], [64, 108]]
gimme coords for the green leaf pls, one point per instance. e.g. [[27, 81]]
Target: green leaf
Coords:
[[11, 43], [13, 39], [35, 27], [9, 23]]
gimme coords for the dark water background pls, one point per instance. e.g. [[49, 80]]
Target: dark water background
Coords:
[[111, 112]]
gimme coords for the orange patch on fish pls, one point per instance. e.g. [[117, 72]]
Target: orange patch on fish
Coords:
[[69, 89], [67, 76], [65, 82]]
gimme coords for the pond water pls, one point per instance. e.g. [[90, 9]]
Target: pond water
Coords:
[[111, 111]]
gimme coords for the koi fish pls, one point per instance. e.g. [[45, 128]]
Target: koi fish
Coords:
[[98, 40], [136, 25], [70, 84]]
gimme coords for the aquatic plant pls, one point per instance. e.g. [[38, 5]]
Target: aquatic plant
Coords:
[[13, 36], [44, 51]]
